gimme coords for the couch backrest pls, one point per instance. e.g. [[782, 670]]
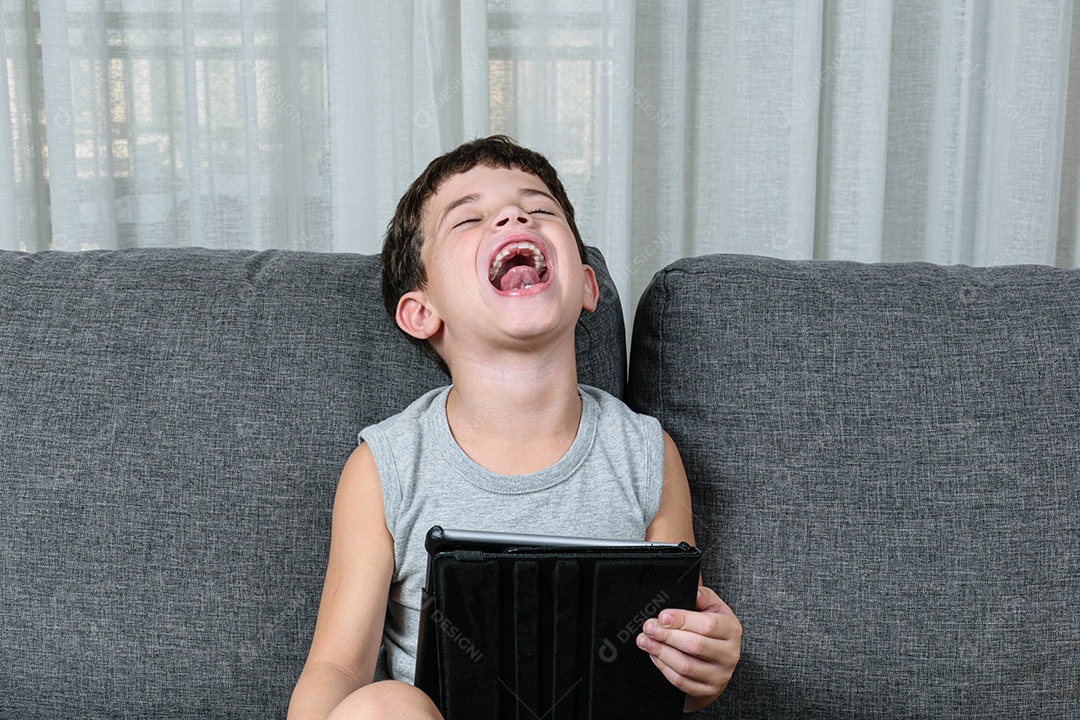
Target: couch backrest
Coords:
[[885, 467], [173, 424]]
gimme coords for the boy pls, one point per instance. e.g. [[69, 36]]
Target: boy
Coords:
[[484, 266]]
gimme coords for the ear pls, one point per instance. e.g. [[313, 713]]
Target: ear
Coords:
[[416, 317], [592, 290]]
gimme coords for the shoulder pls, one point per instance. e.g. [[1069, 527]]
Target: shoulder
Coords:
[[405, 423], [359, 492], [618, 425], [418, 408], [603, 397], [633, 443], [359, 520], [610, 406]]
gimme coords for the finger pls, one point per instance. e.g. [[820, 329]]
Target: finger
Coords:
[[688, 644], [713, 624], [686, 684], [685, 665], [691, 675], [708, 601], [701, 676]]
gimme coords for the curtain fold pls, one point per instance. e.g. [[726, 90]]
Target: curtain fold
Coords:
[[892, 130], [854, 130], [24, 211], [407, 82], [74, 71], [1022, 95], [167, 123]]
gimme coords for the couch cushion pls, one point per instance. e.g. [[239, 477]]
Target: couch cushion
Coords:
[[173, 424], [885, 466]]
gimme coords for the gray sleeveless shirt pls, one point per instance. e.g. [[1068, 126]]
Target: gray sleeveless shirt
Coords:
[[607, 485]]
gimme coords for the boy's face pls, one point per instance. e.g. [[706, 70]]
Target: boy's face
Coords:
[[502, 265]]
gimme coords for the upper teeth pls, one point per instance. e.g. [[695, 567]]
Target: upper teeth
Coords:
[[515, 249]]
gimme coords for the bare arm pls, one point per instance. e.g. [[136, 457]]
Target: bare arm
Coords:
[[674, 519], [697, 651], [348, 631]]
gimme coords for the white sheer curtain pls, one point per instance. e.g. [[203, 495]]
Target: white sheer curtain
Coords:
[[408, 81], [880, 130]]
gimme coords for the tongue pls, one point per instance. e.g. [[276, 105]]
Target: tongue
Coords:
[[516, 278]]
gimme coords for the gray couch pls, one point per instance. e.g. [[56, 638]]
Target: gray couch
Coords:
[[885, 464], [884, 461]]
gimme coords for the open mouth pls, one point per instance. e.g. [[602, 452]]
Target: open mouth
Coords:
[[518, 266]]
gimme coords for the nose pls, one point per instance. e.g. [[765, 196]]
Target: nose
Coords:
[[511, 215]]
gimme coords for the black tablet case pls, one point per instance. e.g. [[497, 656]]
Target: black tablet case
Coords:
[[550, 632]]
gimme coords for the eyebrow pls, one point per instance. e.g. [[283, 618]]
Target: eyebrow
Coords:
[[533, 192], [525, 192], [455, 205]]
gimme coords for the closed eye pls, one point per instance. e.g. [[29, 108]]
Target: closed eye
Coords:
[[466, 221]]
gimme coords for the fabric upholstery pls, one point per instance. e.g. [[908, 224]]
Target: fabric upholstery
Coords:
[[885, 468], [173, 424]]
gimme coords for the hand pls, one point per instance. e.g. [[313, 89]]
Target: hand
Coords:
[[696, 651]]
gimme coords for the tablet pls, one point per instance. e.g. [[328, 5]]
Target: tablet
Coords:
[[516, 625]]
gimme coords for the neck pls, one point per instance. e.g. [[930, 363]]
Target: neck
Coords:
[[515, 414]]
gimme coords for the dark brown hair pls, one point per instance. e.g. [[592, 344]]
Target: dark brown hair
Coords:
[[402, 267]]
